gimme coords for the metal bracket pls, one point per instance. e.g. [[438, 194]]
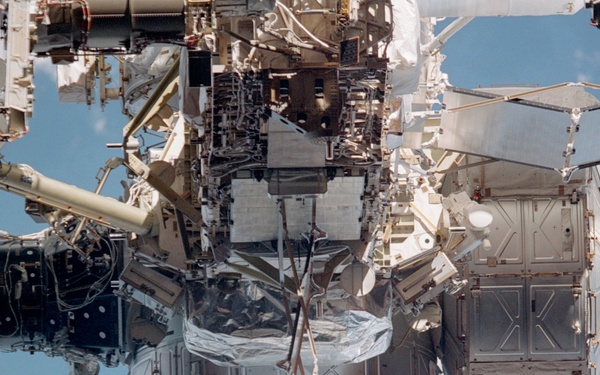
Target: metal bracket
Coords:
[[142, 170]]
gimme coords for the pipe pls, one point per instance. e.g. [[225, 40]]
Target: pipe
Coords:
[[110, 165], [300, 25], [446, 34], [26, 182]]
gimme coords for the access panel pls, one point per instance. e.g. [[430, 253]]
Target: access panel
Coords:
[[526, 319], [556, 325], [554, 235], [498, 330], [506, 236], [533, 235]]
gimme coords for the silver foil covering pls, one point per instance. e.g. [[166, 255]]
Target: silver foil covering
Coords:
[[248, 327]]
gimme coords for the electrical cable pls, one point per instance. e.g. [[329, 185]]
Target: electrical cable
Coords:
[[9, 287], [97, 287]]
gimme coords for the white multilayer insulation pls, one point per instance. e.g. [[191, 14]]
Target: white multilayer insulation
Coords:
[[73, 87], [495, 8], [404, 49]]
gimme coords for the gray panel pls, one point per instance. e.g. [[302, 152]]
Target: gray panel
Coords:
[[533, 235], [516, 130], [270, 370], [349, 368], [504, 179], [498, 321], [506, 254], [586, 140], [255, 214], [519, 325], [455, 318], [107, 8], [553, 235], [565, 97], [454, 358], [289, 148], [594, 287], [152, 7], [288, 182], [152, 283], [556, 325], [530, 368]]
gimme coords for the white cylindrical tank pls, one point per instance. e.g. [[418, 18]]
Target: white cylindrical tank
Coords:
[[26, 182], [495, 8]]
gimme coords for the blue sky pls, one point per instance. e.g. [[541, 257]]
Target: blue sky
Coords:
[[67, 141], [524, 50]]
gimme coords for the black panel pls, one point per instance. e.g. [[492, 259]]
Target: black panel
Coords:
[[199, 65], [289, 182], [349, 51], [96, 325], [21, 287]]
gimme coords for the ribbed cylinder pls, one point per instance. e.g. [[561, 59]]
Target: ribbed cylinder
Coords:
[[24, 181], [497, 8]]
